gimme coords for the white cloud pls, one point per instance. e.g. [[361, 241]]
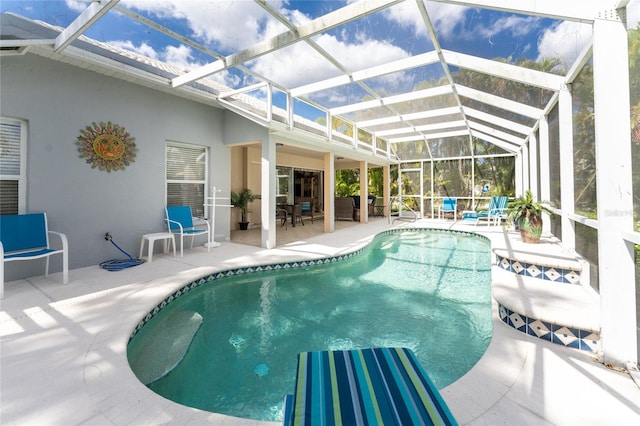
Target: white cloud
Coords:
[[363, 52], [407, 15], [226, 25], [244, 25], [142, 49], [78, 6], [564, 40], [311, 66], [443, 16], [178, 56], [516, 25]]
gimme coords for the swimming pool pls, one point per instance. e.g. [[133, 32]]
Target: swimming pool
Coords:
[[428, 290]]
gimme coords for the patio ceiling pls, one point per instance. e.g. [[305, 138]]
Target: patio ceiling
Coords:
[[387, 101]]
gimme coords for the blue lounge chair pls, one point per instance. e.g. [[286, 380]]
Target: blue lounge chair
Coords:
[[372, 386], [180, 222], [496, 212]]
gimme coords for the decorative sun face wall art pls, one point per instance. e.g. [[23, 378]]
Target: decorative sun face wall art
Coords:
[[106, 146]]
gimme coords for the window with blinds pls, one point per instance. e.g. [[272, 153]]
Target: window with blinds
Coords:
[[12, 165], [186, 176]]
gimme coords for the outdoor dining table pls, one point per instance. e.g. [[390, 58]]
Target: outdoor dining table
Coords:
[[291, 211]]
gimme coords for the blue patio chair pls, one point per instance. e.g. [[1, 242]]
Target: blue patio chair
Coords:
[[449, 205], [180, 222]]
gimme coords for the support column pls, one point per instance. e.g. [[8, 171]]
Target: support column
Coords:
[[433, 187], [329, 192], [519, 184], [565, 125], [526, 161], [545, 179], [533, 166], [615, 203], [268, 194], [386, 189], [364, 192]]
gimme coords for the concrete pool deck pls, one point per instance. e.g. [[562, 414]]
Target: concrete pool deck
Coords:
[[63, 348]]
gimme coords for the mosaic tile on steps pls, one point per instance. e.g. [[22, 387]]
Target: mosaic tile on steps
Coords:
[[585, 340], [543, 272]]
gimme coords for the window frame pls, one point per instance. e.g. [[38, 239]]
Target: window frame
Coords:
[[205, 181], [21, 177]]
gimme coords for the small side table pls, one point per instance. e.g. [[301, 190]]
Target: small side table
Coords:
[[151, 238], [379, 211]]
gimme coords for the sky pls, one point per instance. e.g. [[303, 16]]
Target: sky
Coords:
[[395, 33]]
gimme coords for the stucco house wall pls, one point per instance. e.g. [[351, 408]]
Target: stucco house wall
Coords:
[[58, 101]]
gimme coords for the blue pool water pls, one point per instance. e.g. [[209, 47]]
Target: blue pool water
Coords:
[[425, 290]]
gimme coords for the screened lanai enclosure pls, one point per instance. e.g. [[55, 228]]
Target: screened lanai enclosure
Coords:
[[465, 99]]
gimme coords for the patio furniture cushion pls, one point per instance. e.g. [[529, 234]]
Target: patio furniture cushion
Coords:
[[365, 387]]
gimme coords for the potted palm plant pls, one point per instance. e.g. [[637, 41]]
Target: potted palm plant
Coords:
[[527, 214], [241, 200]]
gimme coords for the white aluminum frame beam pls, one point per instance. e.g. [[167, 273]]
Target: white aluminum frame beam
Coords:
[[502, 122], [9, 43], [497, 133], [507, 71], [183, 39], [534, 170], [499, 102], [427, 58], [567, 187], [425, 128], [452, 133], [500, 143], [544, 169], [242, 90], [614, 185], [326, 55], [395, 99], [445, 66], [88, 17], [406, 117], [326, 22]]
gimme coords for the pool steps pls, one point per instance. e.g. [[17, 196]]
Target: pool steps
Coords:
[[157, 357], [547, 296]]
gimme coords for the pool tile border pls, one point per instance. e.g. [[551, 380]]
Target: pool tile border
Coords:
[[539, 271], [571, 337], [284, 265]]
